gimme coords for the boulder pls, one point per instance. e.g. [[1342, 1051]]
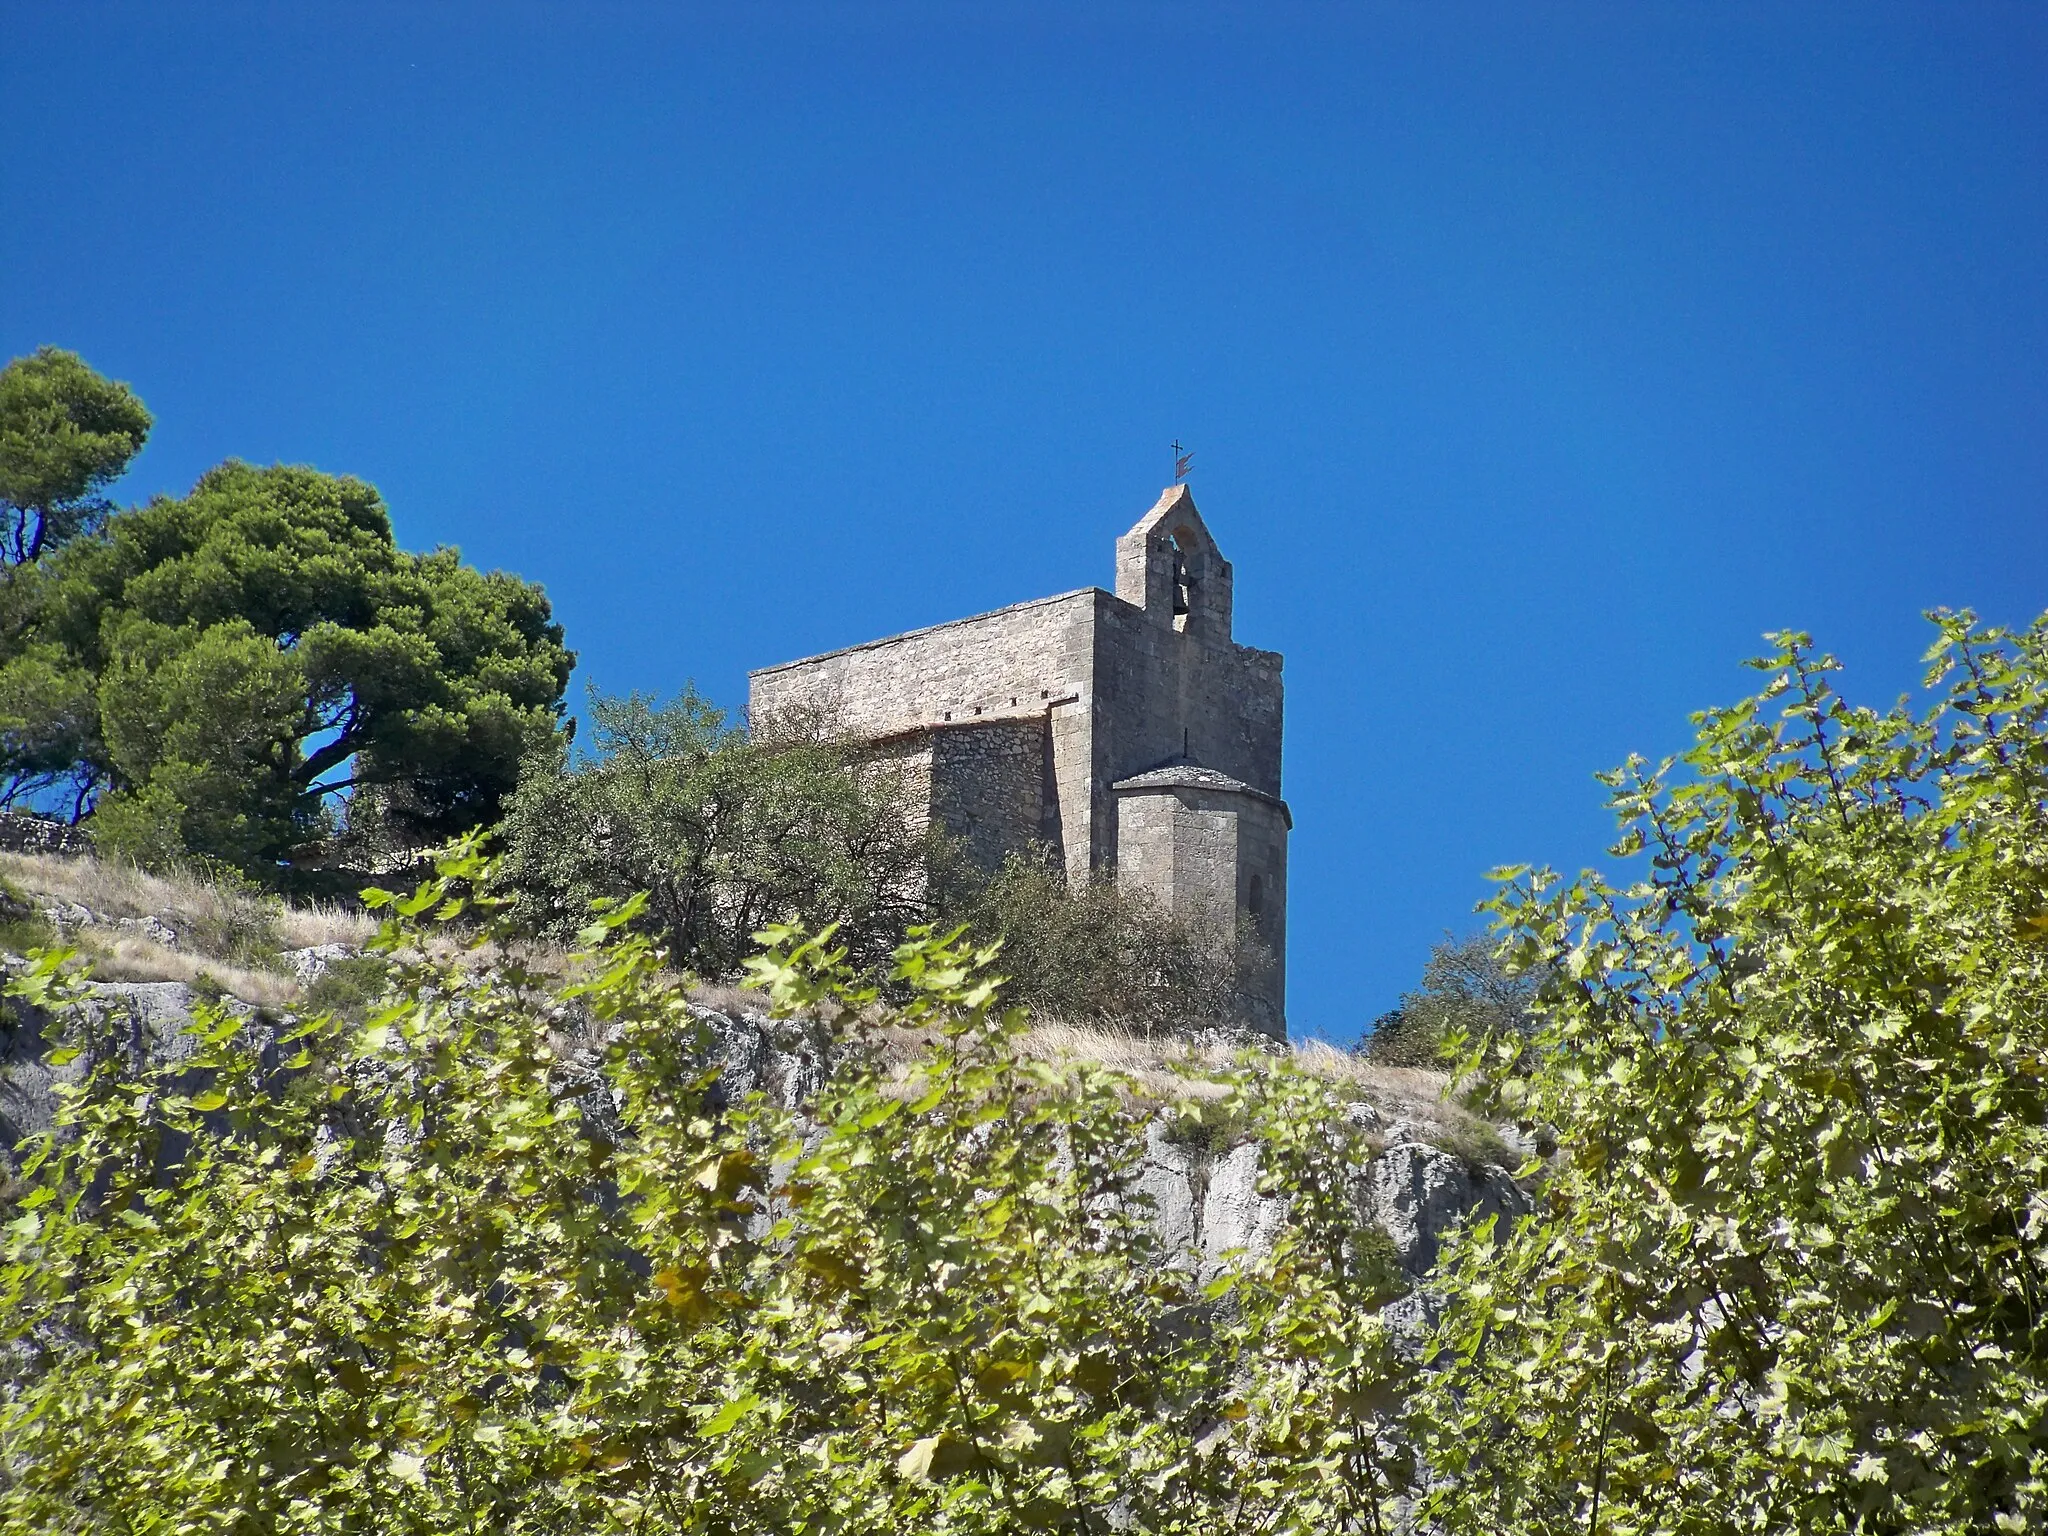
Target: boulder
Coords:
[[1417, 1193], [135, 1023], [311, 963]]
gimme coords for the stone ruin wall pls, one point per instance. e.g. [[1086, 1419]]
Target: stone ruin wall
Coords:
[[1014, 727], [989, 787], [1018, 660], [1108, 691]]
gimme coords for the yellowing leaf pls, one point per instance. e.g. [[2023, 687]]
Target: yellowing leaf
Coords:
[[934, 1457], [684, 1290]]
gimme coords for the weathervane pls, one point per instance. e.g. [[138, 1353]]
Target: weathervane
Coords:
[[1182, 458]]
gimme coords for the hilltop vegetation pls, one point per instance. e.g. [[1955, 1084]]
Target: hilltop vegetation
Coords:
[[254, 679], [726, 830], [500, 1242]]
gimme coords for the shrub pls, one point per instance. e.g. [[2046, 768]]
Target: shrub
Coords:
[[724, 832], [1096, 953], [1466, 990], [22, 926]]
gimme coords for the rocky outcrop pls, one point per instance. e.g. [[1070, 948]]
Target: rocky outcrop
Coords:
[[67, 917], [1417, 1193], [138, 1023], [1205, 1197], [1208, 1202], [785, 1060]]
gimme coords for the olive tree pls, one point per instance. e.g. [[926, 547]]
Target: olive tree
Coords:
[[724, 830]]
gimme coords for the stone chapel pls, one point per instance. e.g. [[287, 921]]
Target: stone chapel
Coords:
[[1128, 733]]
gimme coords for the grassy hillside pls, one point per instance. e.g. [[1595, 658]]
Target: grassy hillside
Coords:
[[129, 925], [132, 926]]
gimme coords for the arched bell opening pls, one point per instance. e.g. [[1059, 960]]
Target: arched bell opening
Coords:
[[1170, 566]]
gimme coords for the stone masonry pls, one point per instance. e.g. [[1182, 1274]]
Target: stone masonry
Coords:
[[1127, 732]]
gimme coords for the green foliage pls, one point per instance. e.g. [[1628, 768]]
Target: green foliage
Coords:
[[724, 832], [1466, 991], [1097, 953], [216, 669], [22, 927], [65, 434], [389, 1277], [1790, 1273], [348, 986]]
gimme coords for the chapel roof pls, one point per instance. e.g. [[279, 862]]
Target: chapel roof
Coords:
[[1189, 775]]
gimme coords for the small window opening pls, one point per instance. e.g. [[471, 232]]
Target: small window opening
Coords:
[[1256, 899]]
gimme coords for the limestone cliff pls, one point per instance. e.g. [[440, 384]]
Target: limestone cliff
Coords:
[[1205, 1196]]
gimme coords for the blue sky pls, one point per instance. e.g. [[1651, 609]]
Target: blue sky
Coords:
[[1536, 359]]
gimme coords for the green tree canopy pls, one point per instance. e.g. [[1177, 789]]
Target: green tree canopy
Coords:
[[1791, 1268], [213, 670], [724, 830], [65, 434], [1466, 990]]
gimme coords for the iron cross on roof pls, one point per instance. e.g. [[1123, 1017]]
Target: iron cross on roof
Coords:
[[1182, 458]]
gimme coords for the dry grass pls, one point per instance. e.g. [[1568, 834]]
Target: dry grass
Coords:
[[234, 938], [322, 922], [134, 958], [115, 889], [1169, 1072]]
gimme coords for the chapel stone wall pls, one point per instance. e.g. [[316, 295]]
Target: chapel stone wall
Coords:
[[1030, 663], [989, 787]]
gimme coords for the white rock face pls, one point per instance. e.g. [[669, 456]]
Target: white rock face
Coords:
[[1169, 1183], [786, 1060], [1208, 1204], [1234, 1215], [69, 914], [311, 963], [1417, 1193], [1205, 1201]]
